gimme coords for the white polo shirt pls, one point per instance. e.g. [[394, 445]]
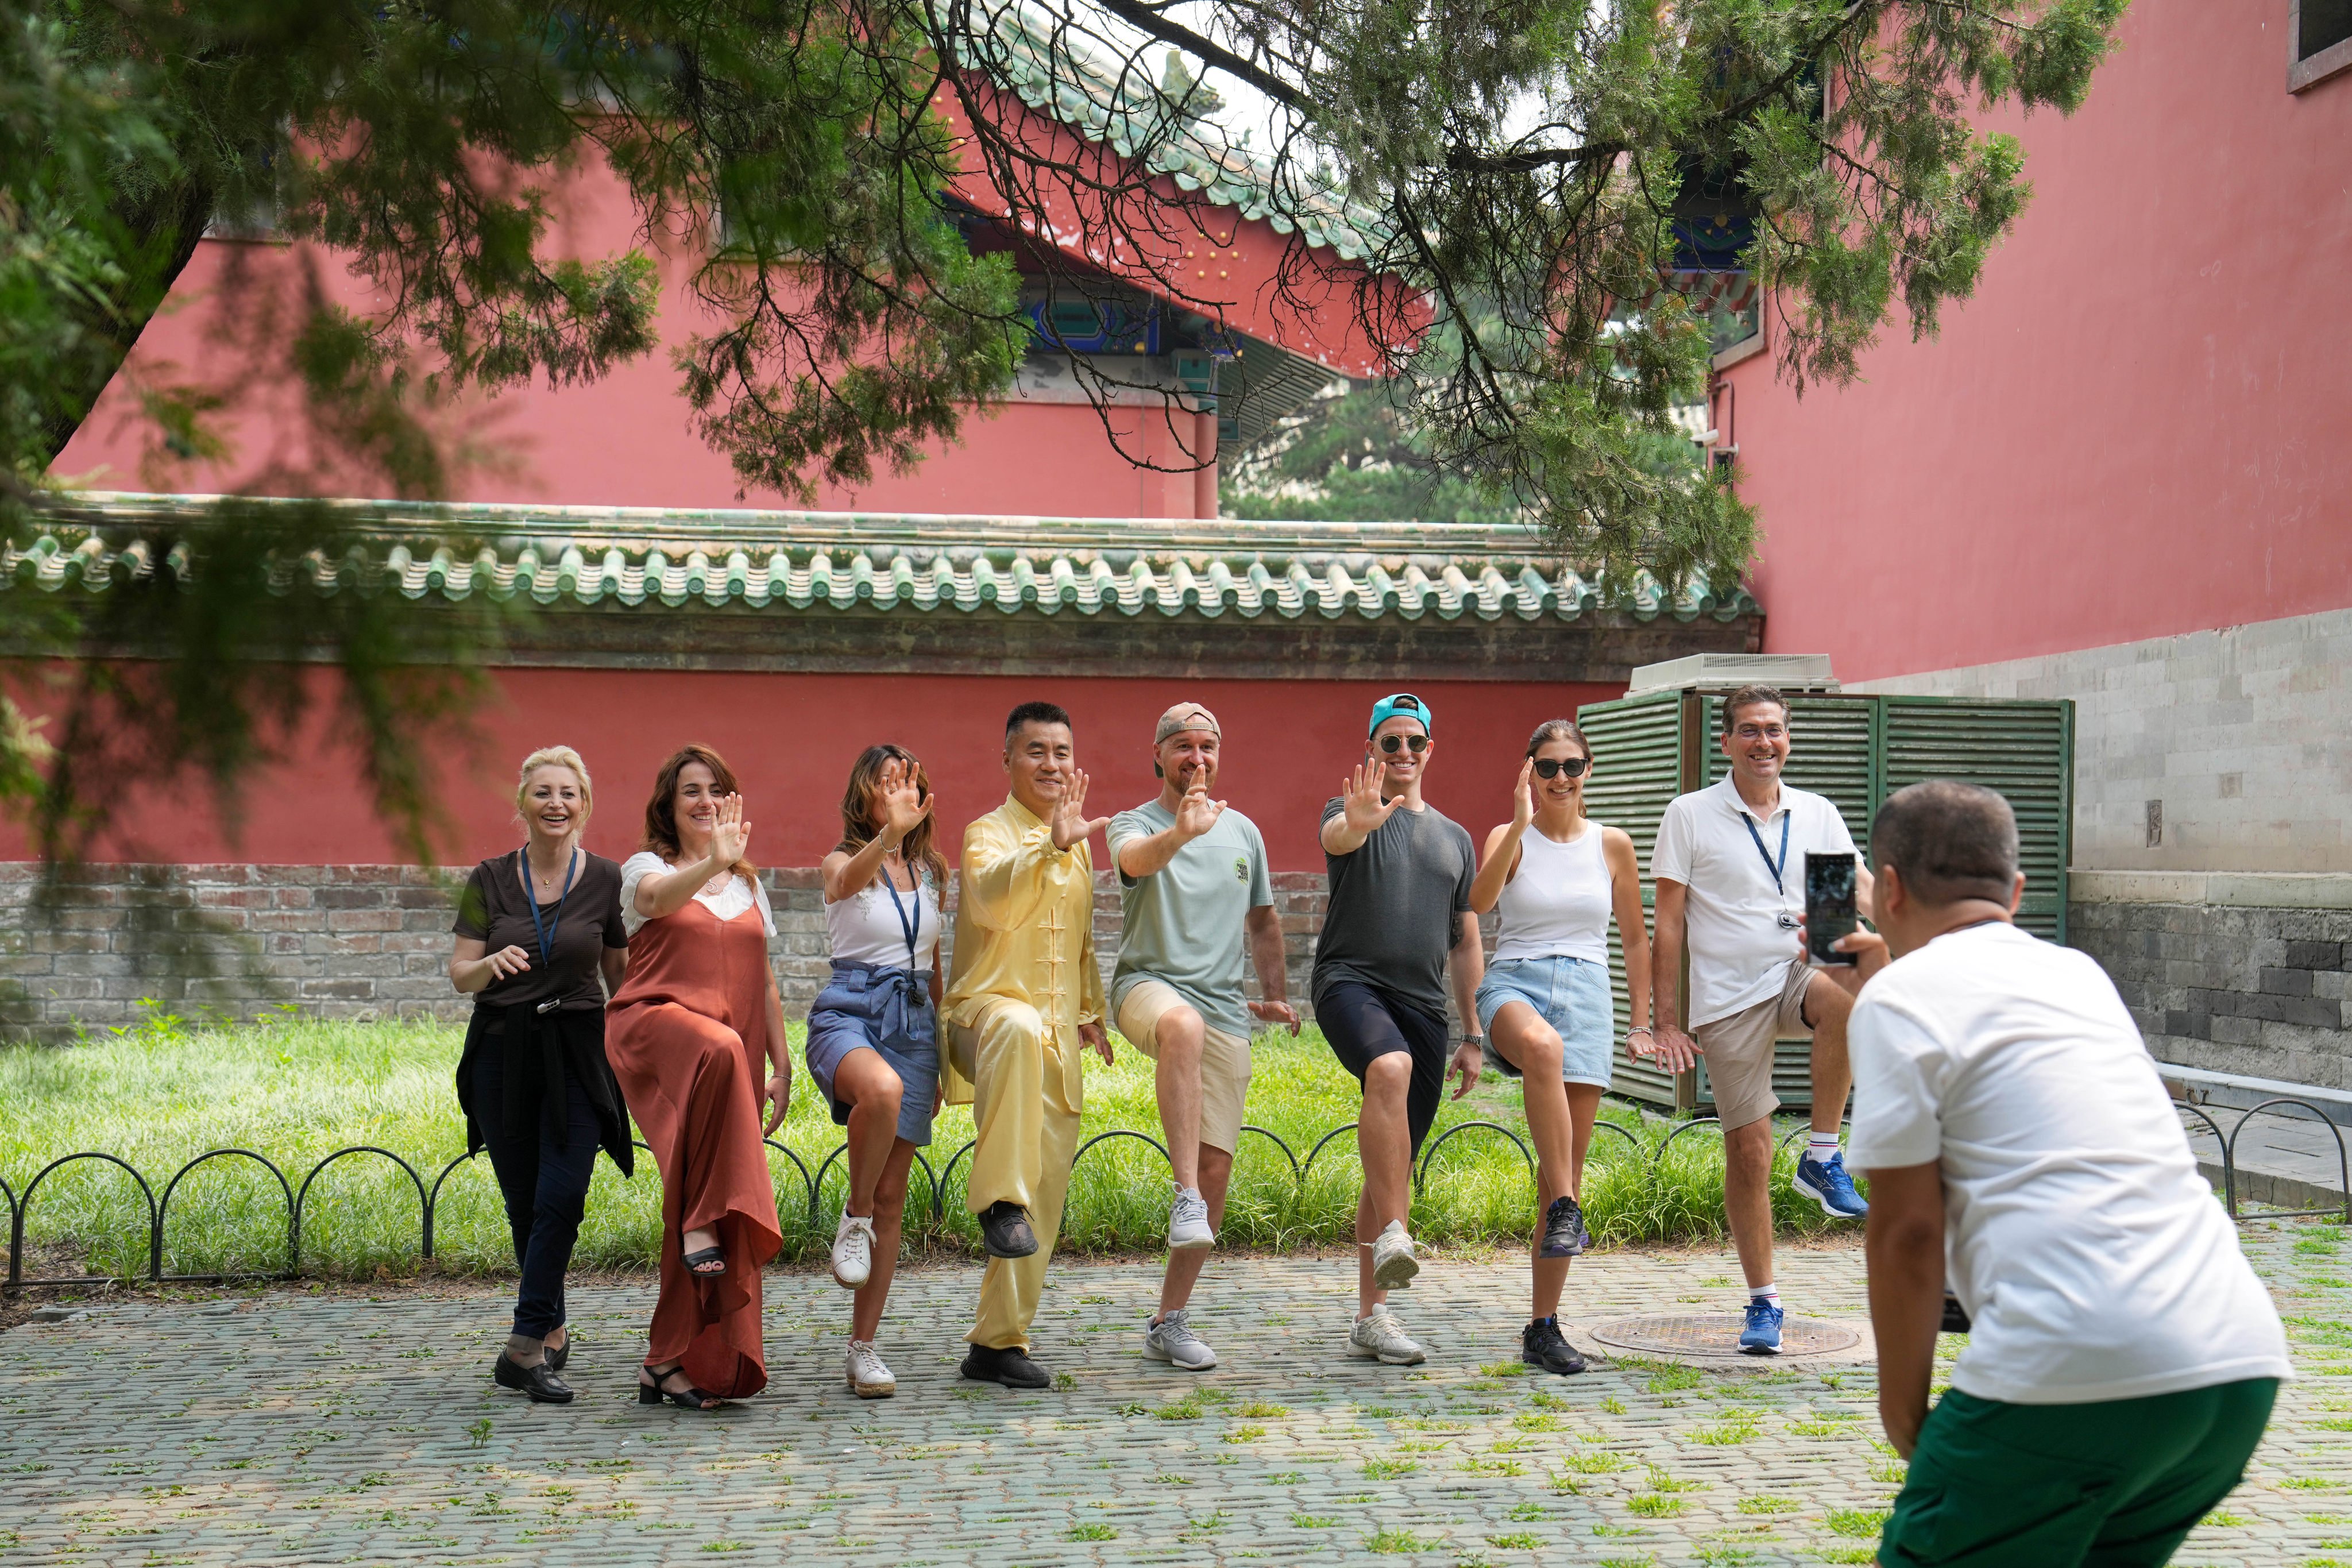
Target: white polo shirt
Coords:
[[1739, 941]]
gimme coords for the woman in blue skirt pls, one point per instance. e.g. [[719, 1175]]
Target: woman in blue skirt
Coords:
[[1556, 876], [873, 1035]]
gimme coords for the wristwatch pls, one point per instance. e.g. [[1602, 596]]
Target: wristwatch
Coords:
[[1474, 1039]]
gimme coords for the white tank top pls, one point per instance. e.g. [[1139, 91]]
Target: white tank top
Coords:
[[1558, 905], [864, 929]]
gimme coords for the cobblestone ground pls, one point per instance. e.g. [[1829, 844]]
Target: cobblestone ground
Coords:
[[284, 1427]]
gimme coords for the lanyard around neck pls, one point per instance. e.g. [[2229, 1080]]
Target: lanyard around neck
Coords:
[[908, 923], [1776, 871], [530, 895]]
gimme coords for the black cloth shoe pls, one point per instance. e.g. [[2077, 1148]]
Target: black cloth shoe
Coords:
[[1004, 1230], [1010, 1366], [561, 1354], [1563, 1229], [539, 1382], [1541, 1344]]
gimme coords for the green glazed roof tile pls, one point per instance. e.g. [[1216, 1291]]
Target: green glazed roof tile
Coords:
[[789, 562]]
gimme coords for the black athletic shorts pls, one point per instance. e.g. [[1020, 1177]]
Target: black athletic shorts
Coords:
[[1364, 1021]]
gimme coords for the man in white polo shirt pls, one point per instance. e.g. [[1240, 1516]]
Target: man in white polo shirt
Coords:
[[2123, 1357], [1730, 871]]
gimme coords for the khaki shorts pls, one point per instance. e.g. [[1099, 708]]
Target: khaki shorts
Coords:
[[1224, 1060], [1739, 1050]]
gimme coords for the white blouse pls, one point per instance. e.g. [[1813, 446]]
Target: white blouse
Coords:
[[739, 894]]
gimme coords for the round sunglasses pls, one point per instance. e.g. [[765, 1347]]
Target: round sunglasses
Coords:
[[1552, 767], [1389, 744]]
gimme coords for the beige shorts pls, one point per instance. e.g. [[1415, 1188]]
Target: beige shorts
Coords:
[[1224, 1060], [1739, 1050]]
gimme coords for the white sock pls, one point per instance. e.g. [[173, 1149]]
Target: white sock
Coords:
[[1764, 1294], [1821, 1146]]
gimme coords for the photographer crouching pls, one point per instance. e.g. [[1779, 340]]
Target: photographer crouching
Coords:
[[2124, 1356]]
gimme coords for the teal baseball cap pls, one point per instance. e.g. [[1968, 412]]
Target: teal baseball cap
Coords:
[[1402, 705]]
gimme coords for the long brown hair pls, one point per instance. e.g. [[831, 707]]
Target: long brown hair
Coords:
[[857, 826], [661, 811]]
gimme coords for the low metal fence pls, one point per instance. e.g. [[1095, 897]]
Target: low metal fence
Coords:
[[428, 1196]]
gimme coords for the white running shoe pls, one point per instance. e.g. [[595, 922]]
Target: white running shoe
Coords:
[[1188, 1222], [1172, 1340], [868, 1378], [853, 1252], [1381, 1336], [1393, 1264]]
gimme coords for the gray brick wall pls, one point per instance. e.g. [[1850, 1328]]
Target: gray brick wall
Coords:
[[2237, 736], [85, 949]]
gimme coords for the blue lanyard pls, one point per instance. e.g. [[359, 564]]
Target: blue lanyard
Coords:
[[547, 932], [1776, 871], [907, 924]]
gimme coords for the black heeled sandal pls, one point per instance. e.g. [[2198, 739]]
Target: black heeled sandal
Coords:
[[702, 1254], [653, 1392]]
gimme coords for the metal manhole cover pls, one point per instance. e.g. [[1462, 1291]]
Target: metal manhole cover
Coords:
[[1718, 1335]]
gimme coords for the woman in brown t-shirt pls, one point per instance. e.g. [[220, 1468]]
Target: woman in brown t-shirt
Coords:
[[540, 940]]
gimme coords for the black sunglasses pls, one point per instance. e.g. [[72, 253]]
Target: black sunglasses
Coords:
[[1552, 767], [1389, 744]]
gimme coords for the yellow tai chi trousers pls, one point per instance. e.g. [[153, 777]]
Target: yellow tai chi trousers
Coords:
[[1028, 1088]]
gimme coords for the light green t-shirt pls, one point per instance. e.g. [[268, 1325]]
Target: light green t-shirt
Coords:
[[1184, 924]]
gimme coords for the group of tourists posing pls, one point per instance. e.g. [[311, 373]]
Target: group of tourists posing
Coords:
[[1954, 1119]]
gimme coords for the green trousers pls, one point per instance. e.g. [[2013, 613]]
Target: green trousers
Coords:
[[2112, 1485]]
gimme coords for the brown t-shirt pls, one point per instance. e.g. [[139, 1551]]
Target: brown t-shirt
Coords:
[[495, 910]]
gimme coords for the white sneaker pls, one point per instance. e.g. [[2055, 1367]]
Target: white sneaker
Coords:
[[853, 1252], [1172, 1340], [1393, 1264], [868, 1378], [1381, 1336], [1188, 1222]]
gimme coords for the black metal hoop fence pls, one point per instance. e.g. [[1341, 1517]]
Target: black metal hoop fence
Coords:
[[428, 1195]]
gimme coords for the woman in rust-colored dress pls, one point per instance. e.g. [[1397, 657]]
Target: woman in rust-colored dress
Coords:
[[691, 1036]]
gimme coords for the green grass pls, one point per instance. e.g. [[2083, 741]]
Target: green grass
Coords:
[[159, 1096]]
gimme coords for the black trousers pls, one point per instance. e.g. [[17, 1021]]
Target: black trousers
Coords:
[[545, 1183]]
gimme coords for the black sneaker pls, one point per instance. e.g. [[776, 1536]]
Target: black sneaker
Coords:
[[1010, 1366], [1564, 1234], [1004, 1230], [1542, 1345]]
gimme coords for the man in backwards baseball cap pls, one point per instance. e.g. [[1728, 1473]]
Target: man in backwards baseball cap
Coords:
[[1399, 915], [1192, 882]]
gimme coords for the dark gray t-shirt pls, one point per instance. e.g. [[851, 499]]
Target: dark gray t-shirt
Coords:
[[1396, 905]]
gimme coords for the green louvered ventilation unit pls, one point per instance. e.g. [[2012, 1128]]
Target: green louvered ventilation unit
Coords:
[[1856, 749]]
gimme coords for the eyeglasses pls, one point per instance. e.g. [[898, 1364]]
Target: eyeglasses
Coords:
[[1552, 767], [1389, 744]]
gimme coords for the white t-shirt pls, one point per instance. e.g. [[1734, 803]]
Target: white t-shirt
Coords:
[[2096, 1261], [740, 893], [1738, 941]]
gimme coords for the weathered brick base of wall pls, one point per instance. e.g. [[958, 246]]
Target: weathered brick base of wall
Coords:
[[82, 950], [2229, 988]]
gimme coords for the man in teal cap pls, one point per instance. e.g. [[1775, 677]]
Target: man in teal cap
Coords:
[[1400, 874]]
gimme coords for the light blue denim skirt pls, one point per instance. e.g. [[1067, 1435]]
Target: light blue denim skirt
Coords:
[[1572, 995]]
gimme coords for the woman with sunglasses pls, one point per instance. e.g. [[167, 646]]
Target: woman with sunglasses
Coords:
[[1556, 876]]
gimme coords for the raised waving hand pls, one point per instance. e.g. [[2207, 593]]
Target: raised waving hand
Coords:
[[1070, 824], [903, 804], [731, 836], [1196, 813], [1366, 811]]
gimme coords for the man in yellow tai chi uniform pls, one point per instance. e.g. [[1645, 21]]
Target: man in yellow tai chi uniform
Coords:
[[1025, 997]]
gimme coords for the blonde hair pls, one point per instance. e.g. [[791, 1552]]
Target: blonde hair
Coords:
[[556, 757]]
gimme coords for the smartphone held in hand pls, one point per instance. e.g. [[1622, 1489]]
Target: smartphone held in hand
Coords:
[[1830, 913]]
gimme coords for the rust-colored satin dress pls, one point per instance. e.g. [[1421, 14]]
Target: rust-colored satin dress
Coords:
[[686, 1036]]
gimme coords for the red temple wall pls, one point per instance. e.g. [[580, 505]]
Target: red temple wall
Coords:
[[2141, 424], [791, 739]]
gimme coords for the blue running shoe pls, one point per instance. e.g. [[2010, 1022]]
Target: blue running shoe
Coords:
[[1762, 1334], [1826, 1183]]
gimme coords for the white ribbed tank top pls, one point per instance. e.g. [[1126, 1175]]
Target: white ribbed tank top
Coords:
[[1558, 905], [864, 928]]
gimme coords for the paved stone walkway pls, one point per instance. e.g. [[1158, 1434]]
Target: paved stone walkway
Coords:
[[286, 1427]]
